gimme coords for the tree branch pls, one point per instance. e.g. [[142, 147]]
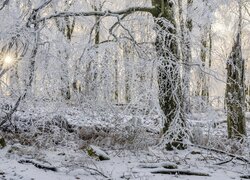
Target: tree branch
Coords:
[[98, 13], [240, 158], [4, 4], [42, 6]]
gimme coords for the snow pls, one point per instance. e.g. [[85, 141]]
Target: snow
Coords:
[[98, 152], [124, 164], [121, 119], [247, 115]]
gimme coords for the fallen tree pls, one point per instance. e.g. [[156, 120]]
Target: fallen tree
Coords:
[[179, 172]]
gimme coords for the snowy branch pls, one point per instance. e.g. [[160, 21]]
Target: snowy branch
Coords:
[[98, 13], [4, 4]]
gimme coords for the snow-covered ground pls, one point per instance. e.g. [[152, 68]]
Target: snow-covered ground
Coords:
[[138, 160], [75, 164]]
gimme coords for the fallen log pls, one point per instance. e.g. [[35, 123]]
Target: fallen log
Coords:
[[38, 165], [179, 172], [166, 165], [245, 177]]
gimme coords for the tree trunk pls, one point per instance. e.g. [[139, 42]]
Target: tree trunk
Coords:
[[32, 58], [94, 67], [185, 29], [67, 28], [210, 57], [235, 88], [170, 95], [203, 56], [127, 56]]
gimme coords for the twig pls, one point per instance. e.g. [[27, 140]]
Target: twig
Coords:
[[223, 152], [224, 162], [96, 170]]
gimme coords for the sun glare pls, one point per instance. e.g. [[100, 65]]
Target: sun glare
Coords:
[[8, 60]]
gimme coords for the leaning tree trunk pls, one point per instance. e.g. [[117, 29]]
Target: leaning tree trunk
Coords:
[[235, 89], [169, 81]]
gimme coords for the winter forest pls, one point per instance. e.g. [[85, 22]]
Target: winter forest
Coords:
[[124, 89]]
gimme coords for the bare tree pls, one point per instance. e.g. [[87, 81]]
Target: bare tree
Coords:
[[66, 26]]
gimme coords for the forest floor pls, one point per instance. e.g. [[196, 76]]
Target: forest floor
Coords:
[[144, 159], [123, 164]]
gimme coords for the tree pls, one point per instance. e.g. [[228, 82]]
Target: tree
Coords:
[[170, 91], [235, 87], [205, 53], [170, 95], [166, 47], [186, 55], [66, 27]]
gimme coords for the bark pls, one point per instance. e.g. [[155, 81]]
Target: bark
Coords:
[[203, 56], [248, 97], [33, 54], [170, 96], [245, 177], [116, 79], [126, 57], [209, 57], [99, 69], [235, 93], [65, 89], [235, 88], [186, 28]]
